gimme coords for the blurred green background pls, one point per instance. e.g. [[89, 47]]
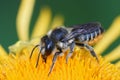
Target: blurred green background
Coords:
[[74, 12]]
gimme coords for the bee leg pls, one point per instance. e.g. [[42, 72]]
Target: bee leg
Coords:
[[54, 60], [33, 50], [91, 51], [72, 45], [89, 48], [38, 59]]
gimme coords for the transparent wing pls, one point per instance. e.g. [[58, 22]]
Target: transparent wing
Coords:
[[80, 29]]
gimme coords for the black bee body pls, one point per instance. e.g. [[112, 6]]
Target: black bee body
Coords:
[[48, 42], [48, 47], [58, 34], [64, 38], [89, 32], [85, 32]]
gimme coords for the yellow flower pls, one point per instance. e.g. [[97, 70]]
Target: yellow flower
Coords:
[[82, 66]]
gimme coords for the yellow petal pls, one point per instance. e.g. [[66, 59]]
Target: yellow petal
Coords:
[[35, 40], [117, 64], [43, 21], [23, 18], [18, 46], [57, 21], [115, 54], [3, 53], [82, 67], [110, 35]]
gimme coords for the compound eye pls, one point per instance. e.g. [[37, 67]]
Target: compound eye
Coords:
[[42, 43]]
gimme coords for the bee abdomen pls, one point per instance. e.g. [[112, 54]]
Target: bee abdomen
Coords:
[[91, 36]]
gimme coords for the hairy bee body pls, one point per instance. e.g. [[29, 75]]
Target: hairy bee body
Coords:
[[64, 38], [87, 37], [58, 34]]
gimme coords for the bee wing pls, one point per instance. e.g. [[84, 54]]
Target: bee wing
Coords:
[[73, 35], [88, 27], [77, 30]]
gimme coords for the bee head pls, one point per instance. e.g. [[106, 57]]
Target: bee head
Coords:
[[47, 46]]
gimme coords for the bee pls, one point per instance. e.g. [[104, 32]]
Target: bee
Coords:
[[61, 39]]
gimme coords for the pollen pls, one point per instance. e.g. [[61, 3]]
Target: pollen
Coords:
[[81, 66]]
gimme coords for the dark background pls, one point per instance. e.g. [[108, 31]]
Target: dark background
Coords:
[[74, 12]]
